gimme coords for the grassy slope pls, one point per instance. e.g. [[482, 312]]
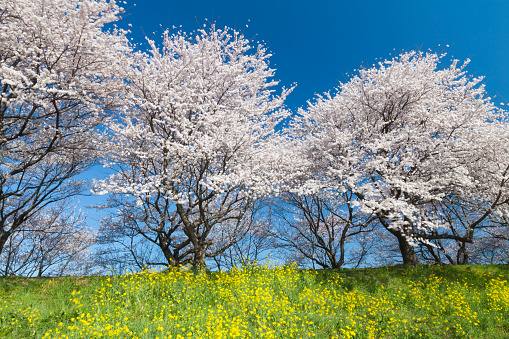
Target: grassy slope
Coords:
[[390, 302]]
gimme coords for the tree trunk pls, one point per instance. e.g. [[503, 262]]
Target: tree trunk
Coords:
[[170, 258], [407, 251], [199, 260], [3, 239], [342, 240], [462, 255]]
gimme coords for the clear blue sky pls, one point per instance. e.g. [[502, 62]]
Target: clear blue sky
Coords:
[[316, 43]]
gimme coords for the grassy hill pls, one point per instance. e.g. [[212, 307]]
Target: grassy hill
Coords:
[[257, 302]]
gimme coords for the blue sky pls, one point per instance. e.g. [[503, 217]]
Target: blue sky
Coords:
[[315, 44]]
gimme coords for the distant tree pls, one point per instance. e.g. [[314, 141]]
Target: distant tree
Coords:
[[57, 77], [316, 229], [461, 219], [373, 248], [491, 247], [191, 142], [124, 244], [53, 242], [410, 140], [255, 246]]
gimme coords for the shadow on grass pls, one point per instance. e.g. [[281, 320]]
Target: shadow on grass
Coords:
[[371, 279]]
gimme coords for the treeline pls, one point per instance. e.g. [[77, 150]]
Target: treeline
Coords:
[[406, 162]]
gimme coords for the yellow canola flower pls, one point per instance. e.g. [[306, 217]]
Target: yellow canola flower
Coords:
[[275, 302]]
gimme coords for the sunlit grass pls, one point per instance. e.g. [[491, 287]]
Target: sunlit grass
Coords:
[[258, 302]]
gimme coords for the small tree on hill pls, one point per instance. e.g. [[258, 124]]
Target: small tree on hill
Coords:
[[53, 242]]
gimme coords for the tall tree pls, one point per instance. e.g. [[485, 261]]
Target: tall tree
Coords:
[[405, 136], [58, 72], [192, 139]]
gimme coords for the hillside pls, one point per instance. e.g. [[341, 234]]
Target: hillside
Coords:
[[261, 302]]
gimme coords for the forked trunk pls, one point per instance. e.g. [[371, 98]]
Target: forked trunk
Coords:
[[170, 258]]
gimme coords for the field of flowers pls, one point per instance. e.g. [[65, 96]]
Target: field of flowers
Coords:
[[261, 302]]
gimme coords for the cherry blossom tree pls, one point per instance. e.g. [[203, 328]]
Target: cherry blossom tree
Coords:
[[58, 70], [406, 137], [196, 131], [53, 242]]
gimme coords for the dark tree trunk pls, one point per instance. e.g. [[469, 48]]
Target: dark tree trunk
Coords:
[[4, 236], [199, 259], [170, 258], [407, 251], [462, 255]]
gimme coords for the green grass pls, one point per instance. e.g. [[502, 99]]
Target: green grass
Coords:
[[256, 302]]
